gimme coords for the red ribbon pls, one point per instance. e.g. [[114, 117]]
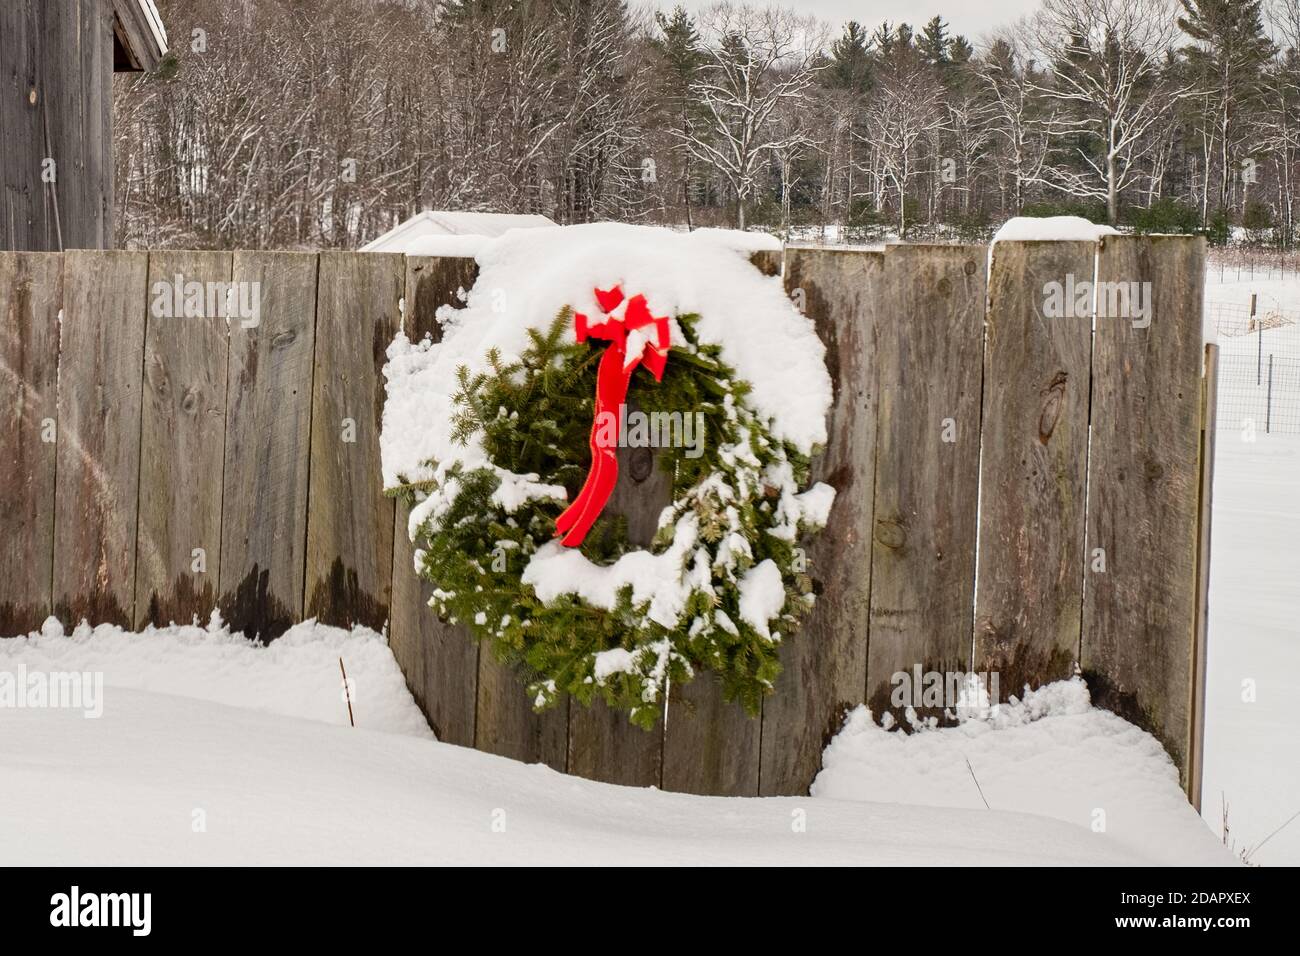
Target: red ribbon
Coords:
[[612, 379]]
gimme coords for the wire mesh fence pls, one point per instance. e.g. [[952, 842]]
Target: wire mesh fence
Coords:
[[1232, 319], [1238, 263], [1259, 392]]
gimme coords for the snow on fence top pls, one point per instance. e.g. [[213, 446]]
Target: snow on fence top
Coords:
[[527, 276], [1049, 228]]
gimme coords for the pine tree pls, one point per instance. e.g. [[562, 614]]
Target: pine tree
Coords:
[[1228, 56], [849, 78], [850, 66], [934, 42], [960, 51], [679, 47]]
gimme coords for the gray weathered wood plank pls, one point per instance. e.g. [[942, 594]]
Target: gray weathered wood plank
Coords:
[[710, 746], [31, 294], [20, 131], [56, 93], [603, 743], [182, 437], [930, 336], [1139, 618], [439, 659], [605, 746], [349, 518], [101, 358], [268, 428], [825, 664], [505, 723], [139, 43], [1037, 369]]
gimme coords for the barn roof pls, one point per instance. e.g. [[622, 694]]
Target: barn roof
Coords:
[[442, 222], [140, 40]]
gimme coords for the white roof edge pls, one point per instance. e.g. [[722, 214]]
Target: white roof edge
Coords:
[[435, 217], [150, 10], [403, 227]]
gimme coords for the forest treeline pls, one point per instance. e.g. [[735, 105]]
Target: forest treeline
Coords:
[[292, 123]]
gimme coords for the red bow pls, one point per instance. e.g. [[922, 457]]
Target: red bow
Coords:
[[628, 347]]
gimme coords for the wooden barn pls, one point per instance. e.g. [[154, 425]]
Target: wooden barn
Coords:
[[57, 60]]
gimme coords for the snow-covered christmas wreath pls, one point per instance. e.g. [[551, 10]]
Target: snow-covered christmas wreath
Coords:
[[503, 438]]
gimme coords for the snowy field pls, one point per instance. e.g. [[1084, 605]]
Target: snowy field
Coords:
[[1248, 400], [212, 750], [1252, 739], [1252, 736]]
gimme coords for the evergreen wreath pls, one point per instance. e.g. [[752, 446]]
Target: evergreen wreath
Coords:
[[729, 539]]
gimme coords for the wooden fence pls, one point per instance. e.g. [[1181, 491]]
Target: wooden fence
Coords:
[[158, 467]]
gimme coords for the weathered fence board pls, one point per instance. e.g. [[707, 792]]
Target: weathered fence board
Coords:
[[825, 664], [1029, 596], [31, 293], [268, 428], [768, 261], [102, 344], [439, 659], [182, 438], [350, 544], [505, 723], [1143, 481], [56, 142], [927, 463], [710, 746], [603, 743], [23, 220]]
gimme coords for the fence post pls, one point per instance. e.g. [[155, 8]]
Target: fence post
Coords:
[[1268, 403], [1259, 336], [1200, 656]]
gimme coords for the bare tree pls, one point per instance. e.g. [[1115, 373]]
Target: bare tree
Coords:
[[1282, 96], [756, 60], [1016, 114], [907, 109], [309, 123], [1108, 82]]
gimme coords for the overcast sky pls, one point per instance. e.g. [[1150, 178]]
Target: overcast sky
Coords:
[[973, 18]]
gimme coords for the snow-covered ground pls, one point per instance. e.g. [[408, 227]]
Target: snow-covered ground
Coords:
[[297, 675], [1248, 400], [1252, 737], [1052, 755], [129, 788], [212, 749]]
